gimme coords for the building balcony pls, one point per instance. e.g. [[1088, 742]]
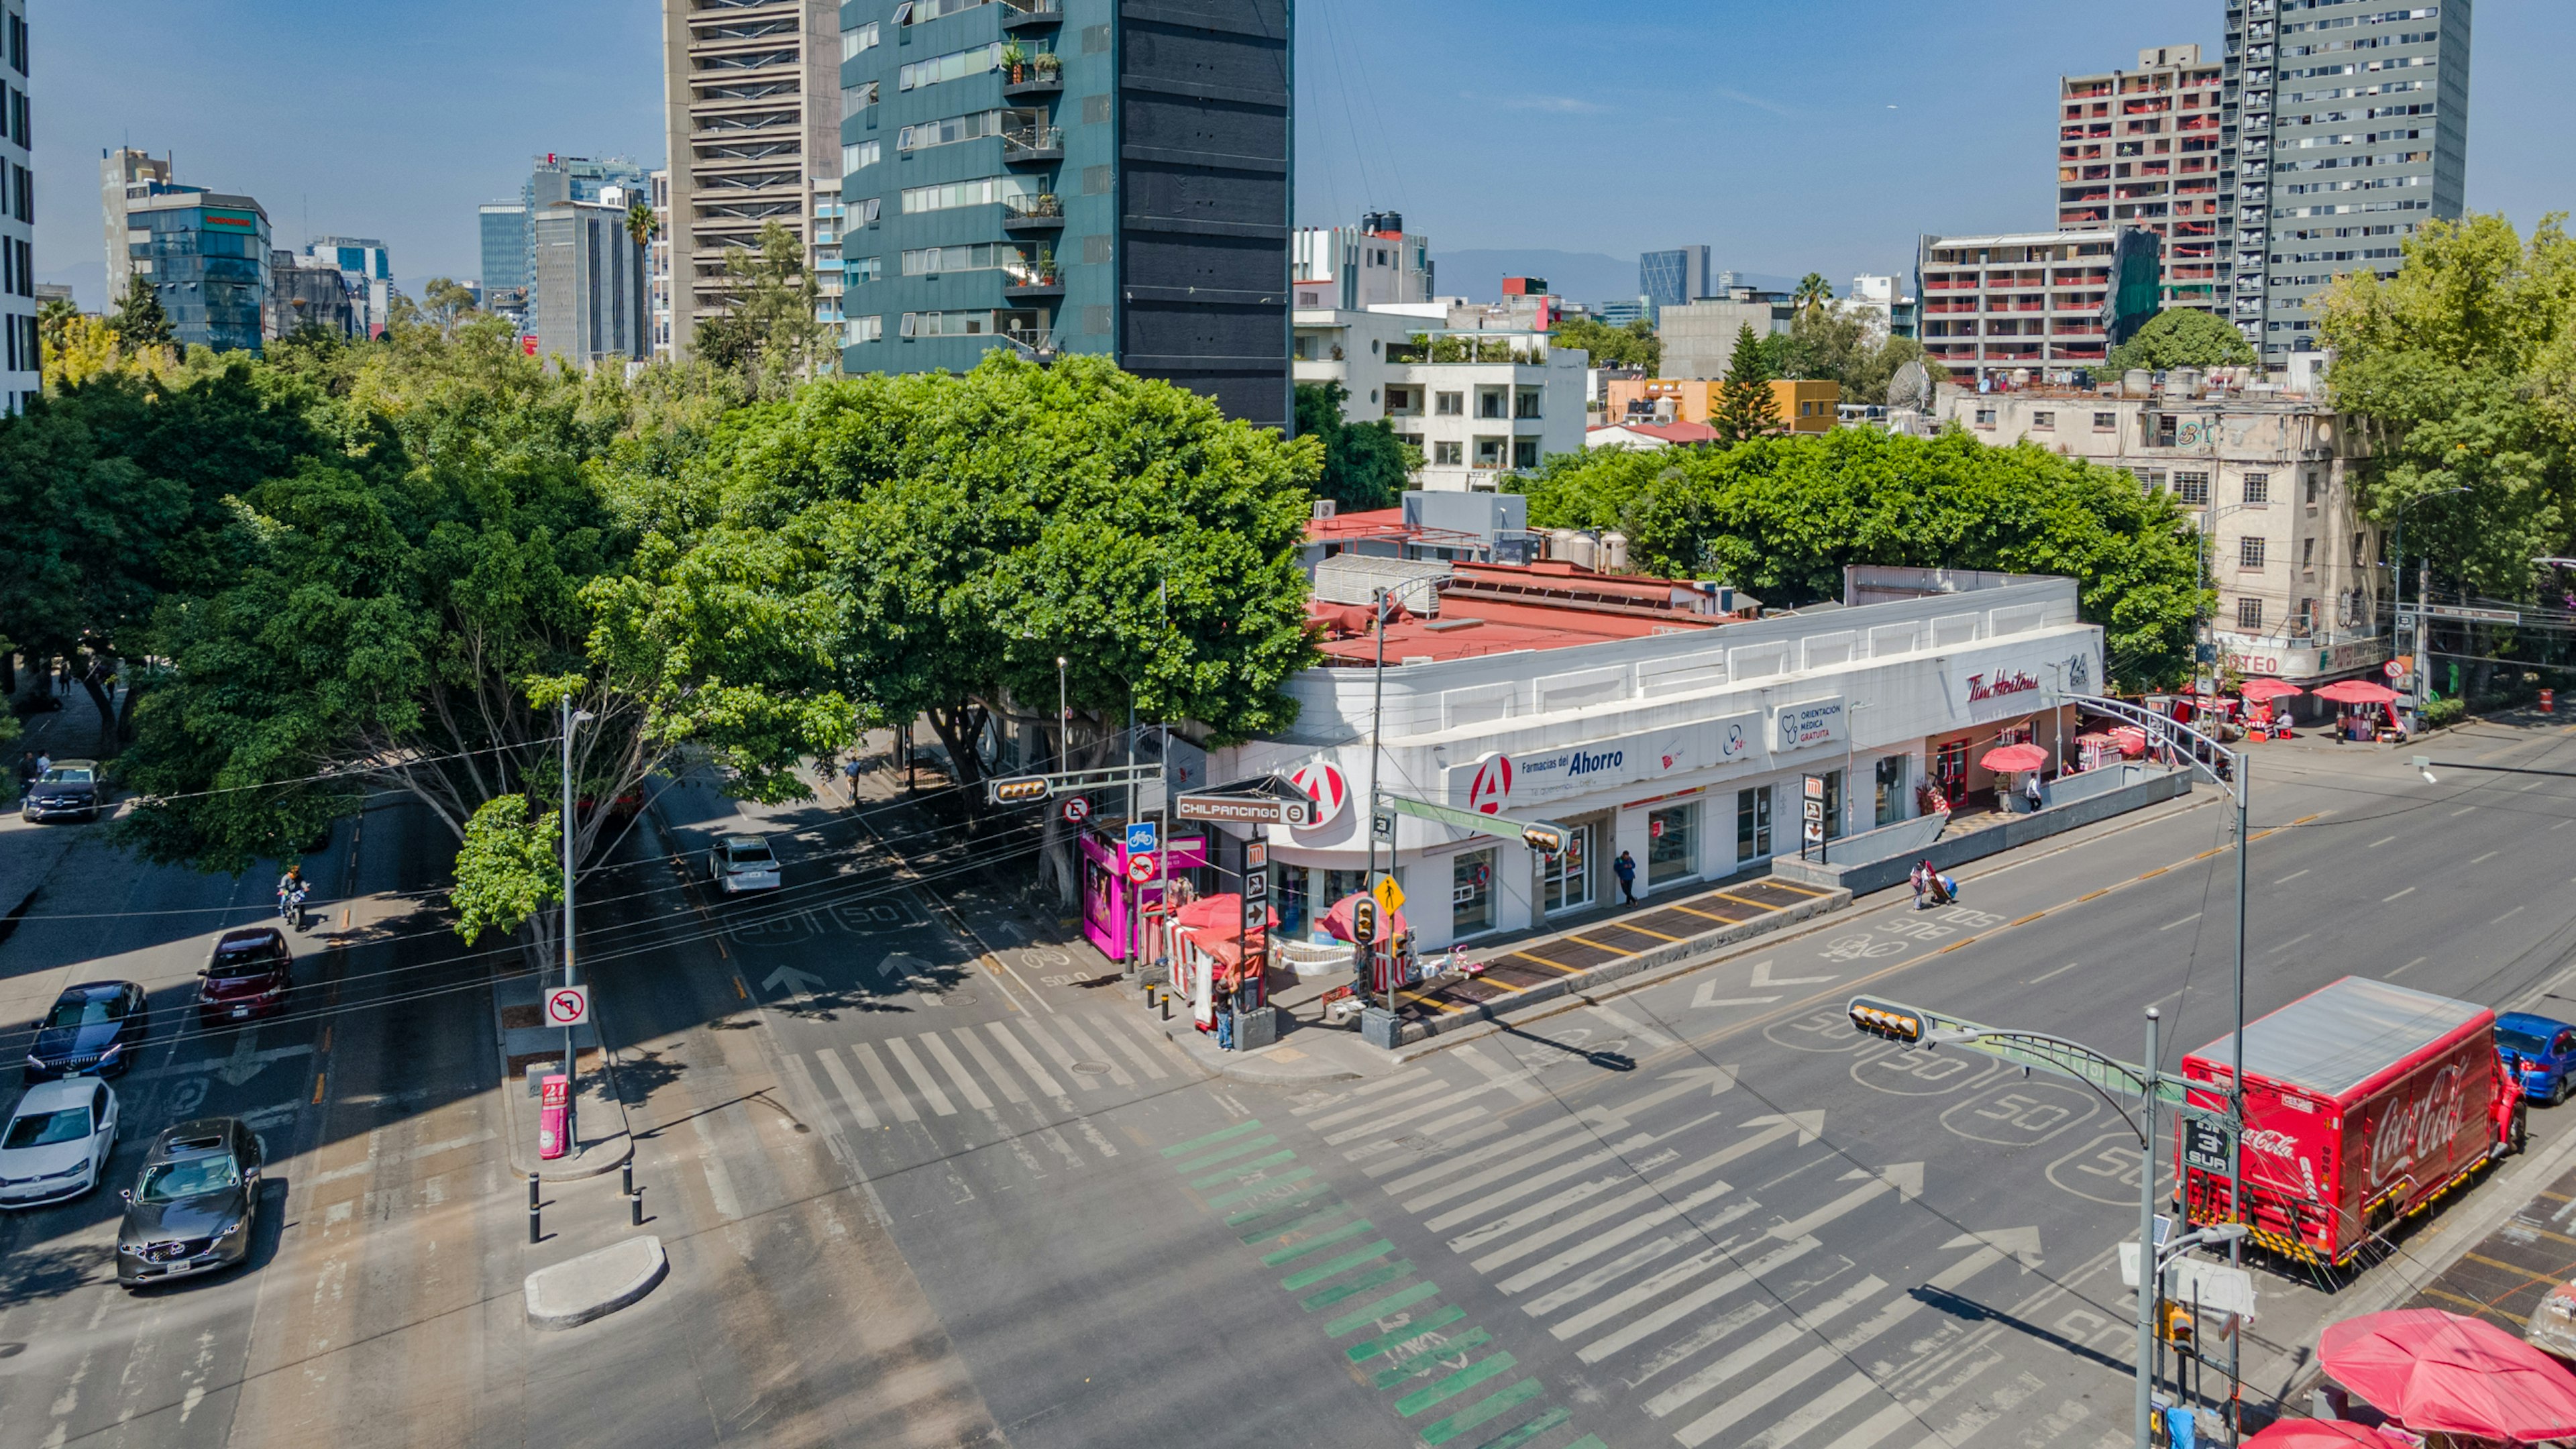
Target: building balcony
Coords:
[[1034, 83], [1031, 14], [1034, 283], [1033, 146], [1042, 212]]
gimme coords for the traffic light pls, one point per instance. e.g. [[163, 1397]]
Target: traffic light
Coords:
[[1542, 837], [2180, 1329], [1022, 790], [1364, 920], [1887, 1019]]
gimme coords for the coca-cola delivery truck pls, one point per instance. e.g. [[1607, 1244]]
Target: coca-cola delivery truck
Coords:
[[2364, 1104]]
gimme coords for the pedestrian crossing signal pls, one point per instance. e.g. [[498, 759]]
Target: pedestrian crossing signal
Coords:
[[1887, 1019], [1022, 790]]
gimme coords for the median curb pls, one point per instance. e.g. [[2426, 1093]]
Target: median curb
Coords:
[[596, 1284]]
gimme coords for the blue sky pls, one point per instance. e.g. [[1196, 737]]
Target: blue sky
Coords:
[[1822, 135]]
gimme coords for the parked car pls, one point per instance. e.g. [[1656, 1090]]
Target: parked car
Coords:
[[68, 791], [2547, 1047], [57, 1141], [194, 1205], [96, 1028], [247, 974], [742, 863]]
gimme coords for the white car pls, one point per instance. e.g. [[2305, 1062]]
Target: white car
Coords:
[[742, 863], [57, 1141]]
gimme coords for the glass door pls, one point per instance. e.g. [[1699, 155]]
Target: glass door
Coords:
[[1569, 871]]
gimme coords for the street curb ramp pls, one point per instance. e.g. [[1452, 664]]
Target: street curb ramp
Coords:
[[596, 1284]]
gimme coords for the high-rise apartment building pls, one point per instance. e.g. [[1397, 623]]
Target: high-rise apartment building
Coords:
[[552, 178], [2142, 149], [307, 291], [125, 176], [21, 379], [503, 229], [2044, 304], [1352, 267], [2347, 128], [1073, 176], [657, 266], [751, 104], [590, 299], [368, 269], [1674, 278], [207, 255]]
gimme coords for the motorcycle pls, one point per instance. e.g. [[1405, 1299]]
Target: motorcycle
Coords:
[[290, 908]]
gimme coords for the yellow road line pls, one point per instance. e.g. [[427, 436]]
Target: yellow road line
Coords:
[[1553, 965], [1642, 931], [1705, 915], [1741, 901], [2104, 891], [318, 1079], [738, 991], [2033, 916], [1599, 945]]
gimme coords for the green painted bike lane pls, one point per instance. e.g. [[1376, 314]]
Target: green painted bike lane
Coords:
[[1448, 1384]]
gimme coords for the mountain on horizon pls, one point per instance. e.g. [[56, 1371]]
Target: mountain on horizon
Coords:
[[1478, 275]]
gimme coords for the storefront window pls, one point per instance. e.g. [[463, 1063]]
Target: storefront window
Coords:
[[1753, 824], [1833, 804], [1569, 872], [1290, 886], [1672, 844], [1471, 893], [1891, 789], [1340, 883]]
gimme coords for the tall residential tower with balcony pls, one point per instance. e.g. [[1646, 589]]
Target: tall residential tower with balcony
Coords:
[[752, 115], [2141, 148], [2045, 303], [1071, 176], [2347, 123]]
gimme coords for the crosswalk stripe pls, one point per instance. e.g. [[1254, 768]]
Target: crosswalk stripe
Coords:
[[1091, 1049], [1878, 1426], [1429, 1131], [1518, 1154], [1603, 1276], [1593, 1247], [1495, 1229], [1638, 1032], [1761, 1348], [1509, 1147], [1392, 1119], [1671, 1313], [1714, 1331], [1055, 1050], [1368, 1098], [1815, 1411], [1369, 1348], [1371, 1313], [1511, 1079], [849, 1090], [1124, 1042], [1377, 1277], [1806, 1366], [1330, 1266], [895, 1098], [1492, 1407], [1555, 1417], [1965, 1428], [1463, 1137], [1427, 1358], [1232, 1149], [1028, 1063], [1520, 1187], [992, 1066], [1156, 1044], [1281, 1257], [967, 1086], [1442, 1391], [1521, 1248], [904, 1057], [1183, 1149]]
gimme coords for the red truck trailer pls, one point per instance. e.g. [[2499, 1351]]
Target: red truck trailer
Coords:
[[2364, 1104]]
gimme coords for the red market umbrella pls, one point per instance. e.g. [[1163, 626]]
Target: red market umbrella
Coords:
[[1337, 922], [2261, 689], [2007, 759], [2133, 741], [2438, 1372], [2357, 691], [2324, 1434], [1219, 913]]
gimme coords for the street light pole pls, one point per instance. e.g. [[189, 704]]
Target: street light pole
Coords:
[[2145, 1426], [2423, 595], [572, 1076], [1377, 718]]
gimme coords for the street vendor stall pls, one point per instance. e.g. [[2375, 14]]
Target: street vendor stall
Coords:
[[1218, 954], [2016, 761], [2266, 714], [1391, 927], [2368, 712], [1119, 886]]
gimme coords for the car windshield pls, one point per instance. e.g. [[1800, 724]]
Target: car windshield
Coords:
[[749, 854], [70, 775], [87, 1011], [248, 958], [2523, 1042], [44, 1129], [188, 1177]]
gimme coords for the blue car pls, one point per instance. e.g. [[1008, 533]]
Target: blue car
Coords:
[[2547, 1048], [95, 1029]]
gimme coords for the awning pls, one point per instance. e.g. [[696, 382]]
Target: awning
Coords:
[[2263, 689], [2358, 691]]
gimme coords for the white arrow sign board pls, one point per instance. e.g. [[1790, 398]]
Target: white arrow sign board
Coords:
[[568, 1006], [2213, 1286]]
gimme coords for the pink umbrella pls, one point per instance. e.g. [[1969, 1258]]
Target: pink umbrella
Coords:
[[1337, 922], [2006, 759], [2357, 691], [2260, 689], [2133, 741], [2438, 1372], [2323, 1434], [1223, 911]]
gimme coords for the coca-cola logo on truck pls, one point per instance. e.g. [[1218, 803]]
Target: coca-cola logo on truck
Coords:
[[2418, 1127]]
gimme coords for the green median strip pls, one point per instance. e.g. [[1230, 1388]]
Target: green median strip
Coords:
[[1454, 1385], [1195, 1143], [1415, 1365], [1267, 1184], [1242, 1168], [1249, 1144], [1369, 1348], [1375, 1311], [1305, 1217], [1315, 1244], [1492, 1407], [1331, 1266], [1551, 1419]]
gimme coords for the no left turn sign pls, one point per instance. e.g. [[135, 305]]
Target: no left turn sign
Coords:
[[568, 1006]]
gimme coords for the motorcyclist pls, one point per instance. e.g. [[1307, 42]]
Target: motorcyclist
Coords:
[[291, 889]]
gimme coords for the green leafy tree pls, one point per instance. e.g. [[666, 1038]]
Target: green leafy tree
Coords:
[[641, 223], [1782, 516], [2181, 337], [1842, 346], [52, 321], [1745, 407], [139, 320], [445, 304], [768, 334], [1812, 293], [1365, 464], [509, 868], [1634, 345]]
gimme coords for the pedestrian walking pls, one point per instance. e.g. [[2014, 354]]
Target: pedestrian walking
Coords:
[[44, 763], [2030, 789], [1920, 877], [1625, 867]]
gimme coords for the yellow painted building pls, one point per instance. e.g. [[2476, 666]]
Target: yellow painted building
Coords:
[[1806, 406]]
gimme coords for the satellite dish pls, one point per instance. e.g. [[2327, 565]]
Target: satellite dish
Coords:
[[1911, 387]]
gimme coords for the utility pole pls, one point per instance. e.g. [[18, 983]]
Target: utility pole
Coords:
[[1377, 718], [2147, 1264], [572, 1075]]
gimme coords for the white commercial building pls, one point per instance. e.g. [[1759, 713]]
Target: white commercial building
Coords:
[[1636, 714], [1478, 404]]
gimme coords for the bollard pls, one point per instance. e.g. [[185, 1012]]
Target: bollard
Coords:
[[1167, 1003], [534, 1232], [532, 1192], [626, 1177], [635, 1207]]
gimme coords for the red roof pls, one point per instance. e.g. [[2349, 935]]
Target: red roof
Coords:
[[1499, 608], [1677, 431]]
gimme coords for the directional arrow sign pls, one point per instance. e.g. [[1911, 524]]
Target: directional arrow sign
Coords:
[[792, 981], [1803, 1125], [1763, 980], [1905, 1178], [1991, 1248], [245, 1062], [1712, 1080]]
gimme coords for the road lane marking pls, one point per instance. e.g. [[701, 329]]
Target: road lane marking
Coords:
[[2463, 810], [2383, 840], [966, 1084], [1637, 1030], [2410, 890], [895, 1097], [1028, 1063], [2514, 912], [849, 1089], [2483, 859], [2185, 921], [2285, 880], [1063, 1058], [2060, 971], [2563, 824], [2286, 945], [2411, 965], [984, 1058], [1082, 1039]]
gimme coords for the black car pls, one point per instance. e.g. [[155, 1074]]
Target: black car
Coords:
[[97, 1026], [68, 791], [195, 1204]]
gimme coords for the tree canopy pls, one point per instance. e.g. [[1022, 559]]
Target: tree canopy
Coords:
[[1365, 464], [1634, 345], [2181, 337], [767, 334], [1843, 346], [1781, 516]]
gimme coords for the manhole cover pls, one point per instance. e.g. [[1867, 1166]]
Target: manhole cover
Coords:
[[958, 998], [1092, 1069]]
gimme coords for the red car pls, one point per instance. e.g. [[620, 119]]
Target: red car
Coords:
[[246, 975]]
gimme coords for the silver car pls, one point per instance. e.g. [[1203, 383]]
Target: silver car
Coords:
[[741, 863]]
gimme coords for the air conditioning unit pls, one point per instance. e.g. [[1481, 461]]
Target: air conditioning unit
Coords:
[[1324, 509]]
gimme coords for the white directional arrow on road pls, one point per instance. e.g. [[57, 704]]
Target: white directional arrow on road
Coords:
[[245, 1062], [1712, 1080], [1991, 1248], [1762, 980], [1905, 1178], [792, 981], [1805, 1126]]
